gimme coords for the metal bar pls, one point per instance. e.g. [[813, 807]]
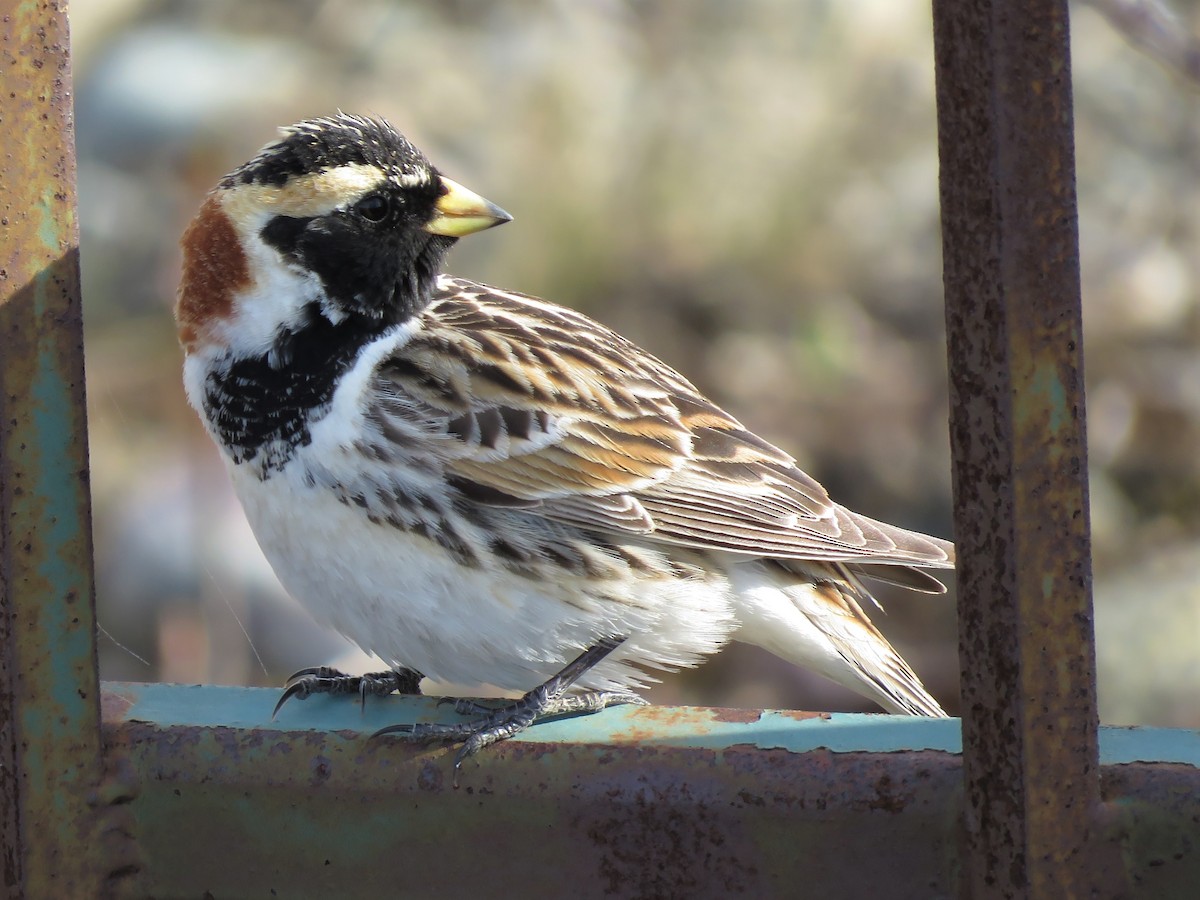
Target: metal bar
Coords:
[[652, 802], [50, 762], [1011, 269]]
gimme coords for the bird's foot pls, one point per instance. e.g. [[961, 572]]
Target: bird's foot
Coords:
[[496, 723], [589, 702], [327, 680]]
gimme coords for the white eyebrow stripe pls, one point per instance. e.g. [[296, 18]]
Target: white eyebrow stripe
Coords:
[[412, 179], [301, 196]]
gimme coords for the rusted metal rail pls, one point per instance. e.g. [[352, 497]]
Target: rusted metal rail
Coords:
[[1014, 333], [51, 796], [645, 803]]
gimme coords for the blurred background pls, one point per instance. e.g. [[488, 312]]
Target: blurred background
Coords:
[[748, 190]]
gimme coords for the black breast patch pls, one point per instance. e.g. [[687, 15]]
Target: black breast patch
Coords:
[[263, 408]]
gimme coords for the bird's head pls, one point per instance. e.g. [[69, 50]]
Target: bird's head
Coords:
[[341, 217]]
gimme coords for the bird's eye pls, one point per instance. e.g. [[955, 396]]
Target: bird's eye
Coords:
[[373, 207]]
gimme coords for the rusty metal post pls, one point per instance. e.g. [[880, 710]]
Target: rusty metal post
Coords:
[[1011, 268], [50, 763]]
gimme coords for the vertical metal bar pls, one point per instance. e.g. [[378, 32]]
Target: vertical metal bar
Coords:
[[1011, 268], [50, 762]]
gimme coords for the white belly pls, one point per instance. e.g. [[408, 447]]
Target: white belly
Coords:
[[407, 600]]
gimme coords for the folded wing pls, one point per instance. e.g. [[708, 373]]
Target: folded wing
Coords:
[[547, 410]]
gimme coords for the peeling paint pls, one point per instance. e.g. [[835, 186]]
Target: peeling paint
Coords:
[[698, 804], [56, 836]]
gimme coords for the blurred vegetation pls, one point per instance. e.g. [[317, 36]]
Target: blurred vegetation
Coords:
[[747, 189]]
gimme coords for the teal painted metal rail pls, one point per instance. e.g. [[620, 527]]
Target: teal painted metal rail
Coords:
[[208, 706], [654, 802]]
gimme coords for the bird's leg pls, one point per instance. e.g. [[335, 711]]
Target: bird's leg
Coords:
[[327, 680], [546, 700]]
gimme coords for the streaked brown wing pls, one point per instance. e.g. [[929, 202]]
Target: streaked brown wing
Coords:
[[549, 408]]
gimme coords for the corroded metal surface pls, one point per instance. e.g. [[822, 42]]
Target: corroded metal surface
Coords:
[[1017, 433], [1153, 811], [49, 706], [648, 802]]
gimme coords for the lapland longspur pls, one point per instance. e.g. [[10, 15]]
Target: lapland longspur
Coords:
[[483, 487]]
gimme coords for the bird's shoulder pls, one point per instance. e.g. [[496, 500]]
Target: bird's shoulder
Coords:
[[516, 374]]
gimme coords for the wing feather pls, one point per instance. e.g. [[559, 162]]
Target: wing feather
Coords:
[[548, 410]]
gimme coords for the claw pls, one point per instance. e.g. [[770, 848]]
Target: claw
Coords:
[[423, 731], [290, 690], [327, 680]]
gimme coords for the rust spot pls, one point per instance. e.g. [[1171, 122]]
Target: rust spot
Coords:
[[744, 716], [321, 770], [651, 721], [800, 715], [430, 777], [214, 266], [114, 706], [667, 715], [890, 796]]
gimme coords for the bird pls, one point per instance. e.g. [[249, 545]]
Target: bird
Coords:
[[483, 487]]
